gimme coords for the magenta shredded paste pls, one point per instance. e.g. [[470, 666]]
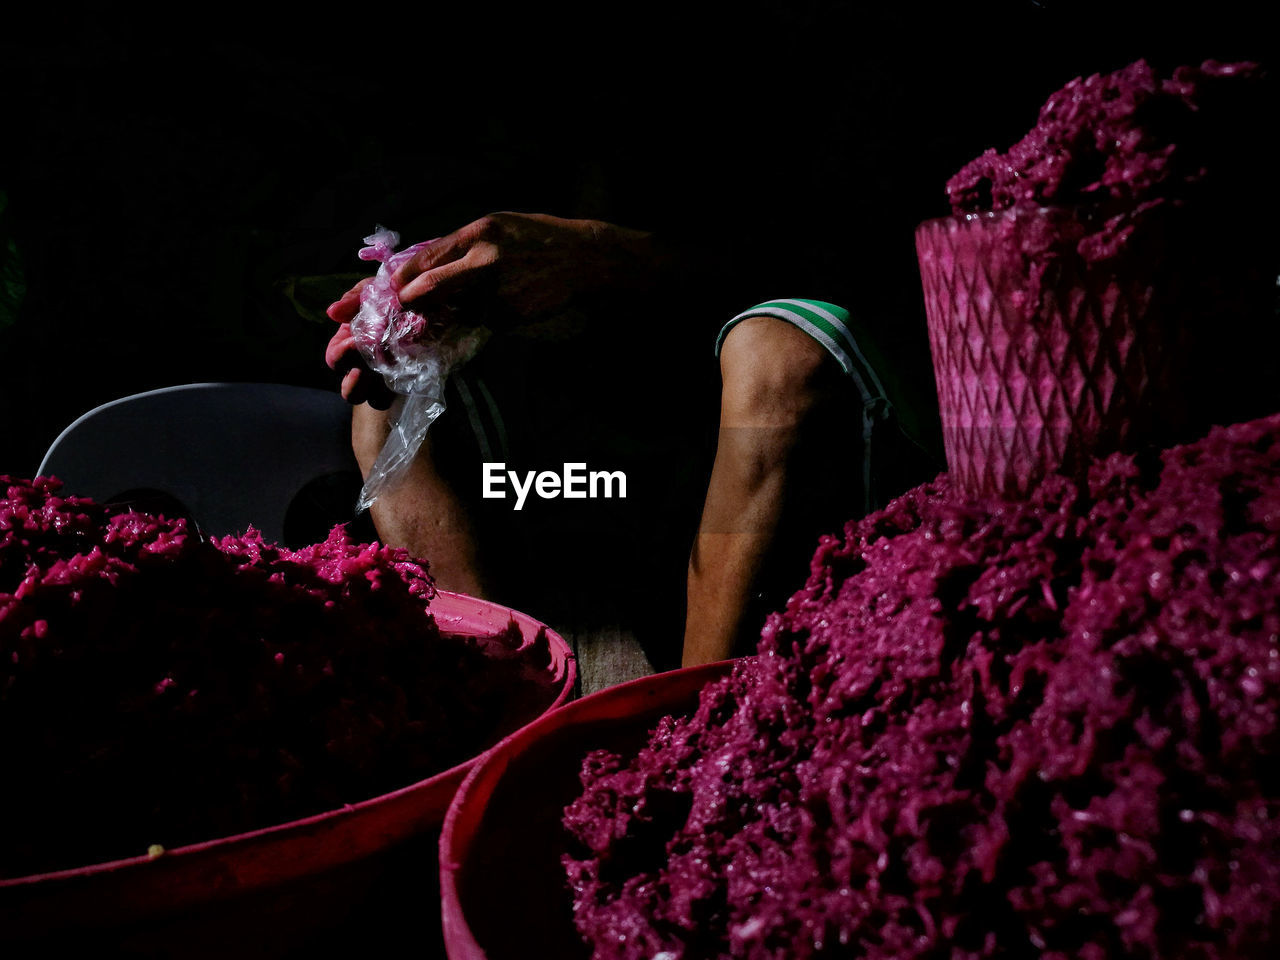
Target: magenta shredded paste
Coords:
[[1042, 728], [1124, 144], [1155, 171], [159, 689]]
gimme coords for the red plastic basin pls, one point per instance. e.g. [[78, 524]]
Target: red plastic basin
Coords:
[[303, 869], [502, 889]]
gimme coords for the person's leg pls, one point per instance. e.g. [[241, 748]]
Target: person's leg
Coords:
[[424, 513], [787, 447]]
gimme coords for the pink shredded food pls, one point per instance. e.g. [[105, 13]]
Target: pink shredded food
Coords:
[[1165, 175], [1124, 145], [159, 689], [1027, 729]]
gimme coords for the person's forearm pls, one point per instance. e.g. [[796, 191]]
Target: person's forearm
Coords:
[[422, 513], [745, 497], [722, 569]]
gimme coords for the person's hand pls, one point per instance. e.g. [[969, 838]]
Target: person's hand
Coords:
[[359, 383], [500, 270], [509, 268]]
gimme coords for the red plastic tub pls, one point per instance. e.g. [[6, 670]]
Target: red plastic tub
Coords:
[[502, 889], [239, 893]]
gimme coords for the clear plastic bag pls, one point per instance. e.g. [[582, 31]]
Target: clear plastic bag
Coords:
[[412, 354]]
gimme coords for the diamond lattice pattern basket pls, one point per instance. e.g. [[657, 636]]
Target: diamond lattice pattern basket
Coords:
[[1041, 364]]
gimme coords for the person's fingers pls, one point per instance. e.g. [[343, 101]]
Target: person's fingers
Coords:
[[362, 385], [341, 350], [359, 384], [438, 284], [351, 388], [345, 308], [442, 250], [436, 252]]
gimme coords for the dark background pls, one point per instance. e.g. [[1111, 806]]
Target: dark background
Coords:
[[182, 199]]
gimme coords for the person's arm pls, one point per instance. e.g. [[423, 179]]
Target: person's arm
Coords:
[[503, 270], [810, 435], [424, 514], [778, 386]]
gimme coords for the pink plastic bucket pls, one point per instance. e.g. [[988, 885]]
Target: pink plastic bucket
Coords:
[[502, 889], [239, 892]]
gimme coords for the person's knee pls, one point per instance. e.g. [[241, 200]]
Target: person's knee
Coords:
[[773, 374]]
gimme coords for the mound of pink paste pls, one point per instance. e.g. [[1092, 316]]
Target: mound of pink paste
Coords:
[[1162, 182], [159, 689], [1040, 729], [1124, 147]]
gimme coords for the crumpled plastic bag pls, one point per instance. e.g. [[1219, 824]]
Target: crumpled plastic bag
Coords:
[[412, 354]]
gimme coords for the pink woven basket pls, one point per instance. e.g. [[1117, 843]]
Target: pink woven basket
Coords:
[[1041, 366]]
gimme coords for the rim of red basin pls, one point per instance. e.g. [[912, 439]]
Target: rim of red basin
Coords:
[[259, 859], [465, 815]]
